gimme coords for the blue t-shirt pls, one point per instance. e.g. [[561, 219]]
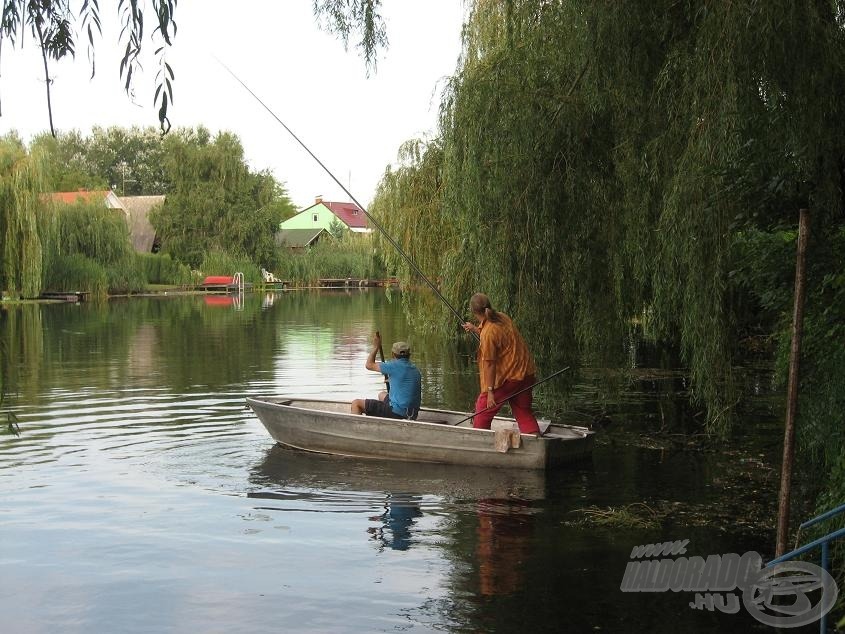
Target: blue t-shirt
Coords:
[[405, 386]]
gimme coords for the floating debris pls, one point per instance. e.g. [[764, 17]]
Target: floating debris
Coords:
[[636, 515]]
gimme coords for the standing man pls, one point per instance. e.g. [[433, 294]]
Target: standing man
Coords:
[[505, 366], [403, 399]]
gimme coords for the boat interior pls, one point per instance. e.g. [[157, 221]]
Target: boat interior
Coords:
[[437, 416]]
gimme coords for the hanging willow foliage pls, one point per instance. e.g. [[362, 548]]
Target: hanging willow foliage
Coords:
[[20, 247], [597, 161]]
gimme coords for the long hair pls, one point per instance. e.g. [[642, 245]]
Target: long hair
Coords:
[[479, 304]]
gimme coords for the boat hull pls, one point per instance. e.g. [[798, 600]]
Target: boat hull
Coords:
[[329, 427]]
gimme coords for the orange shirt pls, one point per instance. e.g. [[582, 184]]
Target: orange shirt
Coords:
[[502, 344]]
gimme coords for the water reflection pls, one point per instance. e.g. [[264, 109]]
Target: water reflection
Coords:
[[439, 509], [396, 523], [284, 470], [137, 456], [505, 528]]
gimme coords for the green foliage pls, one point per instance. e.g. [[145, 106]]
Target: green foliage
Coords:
[[351, 257], [87, 248], [764, 278], [337, 229], [94, 231], [348, 17], [4, 357], [126, 278], [68, 164], [21, 177], [160, 268], [215, 202], [77, 272], [602, 164], [128, 160]]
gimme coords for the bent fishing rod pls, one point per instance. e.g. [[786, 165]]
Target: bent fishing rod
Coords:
[[507, 398], [348, 193]]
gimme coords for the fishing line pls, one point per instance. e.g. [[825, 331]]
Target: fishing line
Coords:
[[348, 193]]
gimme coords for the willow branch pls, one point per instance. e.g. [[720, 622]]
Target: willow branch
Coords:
[[46, 75]]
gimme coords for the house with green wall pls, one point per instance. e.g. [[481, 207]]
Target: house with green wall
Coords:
[[323, 213]]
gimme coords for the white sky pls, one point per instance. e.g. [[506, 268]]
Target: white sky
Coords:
[[352, 123]]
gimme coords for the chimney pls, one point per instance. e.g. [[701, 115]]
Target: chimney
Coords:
[[318, 199]]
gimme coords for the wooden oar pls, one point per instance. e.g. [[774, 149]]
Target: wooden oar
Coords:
[[381, 356], [507, 398]]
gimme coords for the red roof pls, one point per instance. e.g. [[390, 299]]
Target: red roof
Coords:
[[70, 198], [349, 213]]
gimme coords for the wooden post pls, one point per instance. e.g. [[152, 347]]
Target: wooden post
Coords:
[[792, 386]]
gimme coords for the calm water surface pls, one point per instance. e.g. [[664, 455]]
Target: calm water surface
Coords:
[[142, 496]]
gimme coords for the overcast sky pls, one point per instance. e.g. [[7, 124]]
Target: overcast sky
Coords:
[[352, 123]]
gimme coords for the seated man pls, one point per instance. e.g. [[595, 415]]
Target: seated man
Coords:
[[402, 400]]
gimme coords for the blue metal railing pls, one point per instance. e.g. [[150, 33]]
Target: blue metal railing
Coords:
[[823, 543]]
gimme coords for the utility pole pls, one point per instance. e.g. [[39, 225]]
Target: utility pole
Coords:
[[792, 386], [123, 168]]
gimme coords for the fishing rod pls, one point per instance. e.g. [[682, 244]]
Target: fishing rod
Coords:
[[381, 354], [533, 385], [348, 193]]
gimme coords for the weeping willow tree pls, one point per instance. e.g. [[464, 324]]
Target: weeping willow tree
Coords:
[[598, 163], [87, 248], [20, 246]]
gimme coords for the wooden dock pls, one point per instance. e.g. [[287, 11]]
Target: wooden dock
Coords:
[[351, 282], [66, 296]]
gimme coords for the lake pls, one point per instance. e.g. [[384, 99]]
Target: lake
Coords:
[[143, 496]]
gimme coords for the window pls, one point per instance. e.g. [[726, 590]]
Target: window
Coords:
[[315, 217]]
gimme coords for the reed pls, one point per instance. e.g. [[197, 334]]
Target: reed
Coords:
[[77, 272], [352, 256], [218, 262], [159, 268]]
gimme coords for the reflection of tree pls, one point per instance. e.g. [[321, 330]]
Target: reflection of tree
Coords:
[[400, 512], [21, 348], [214, 346], [109, 345]]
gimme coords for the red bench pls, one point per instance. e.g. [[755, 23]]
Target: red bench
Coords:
[[218, 280]]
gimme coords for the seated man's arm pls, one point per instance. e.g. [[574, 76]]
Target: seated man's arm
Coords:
[[372, 364]]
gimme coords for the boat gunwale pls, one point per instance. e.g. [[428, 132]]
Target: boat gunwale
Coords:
[[583, 432]]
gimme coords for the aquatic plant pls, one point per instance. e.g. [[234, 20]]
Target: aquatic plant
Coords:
[[636, 515]]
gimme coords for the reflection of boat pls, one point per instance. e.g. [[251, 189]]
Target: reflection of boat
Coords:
[[407, 492], [329, 427], [299, 474]]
